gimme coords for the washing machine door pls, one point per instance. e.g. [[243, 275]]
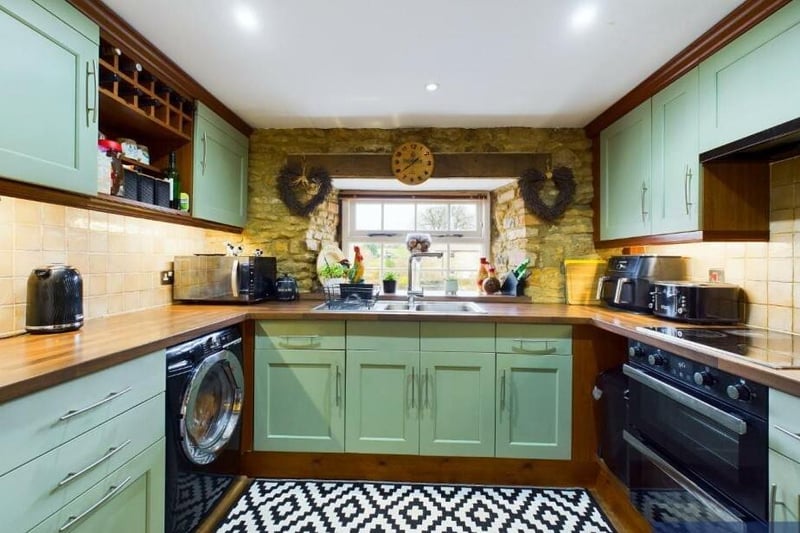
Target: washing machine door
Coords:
[[211, 407]]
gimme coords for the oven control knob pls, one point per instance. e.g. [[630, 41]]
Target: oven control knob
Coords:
[[739, 391], [656, 359], [635, 351], [703, 378]]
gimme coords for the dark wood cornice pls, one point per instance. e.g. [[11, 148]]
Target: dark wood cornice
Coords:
[[115, 30], [741, 19]]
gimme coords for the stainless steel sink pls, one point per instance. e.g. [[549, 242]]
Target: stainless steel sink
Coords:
[[460, 308]]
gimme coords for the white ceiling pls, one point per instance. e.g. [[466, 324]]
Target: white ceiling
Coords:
[[362, 63]]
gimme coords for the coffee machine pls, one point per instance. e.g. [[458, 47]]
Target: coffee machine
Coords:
[[628, 280]]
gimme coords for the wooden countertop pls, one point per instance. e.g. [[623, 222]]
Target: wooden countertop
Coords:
[[34, 362]]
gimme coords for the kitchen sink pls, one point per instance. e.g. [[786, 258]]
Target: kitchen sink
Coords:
[[388, 306]]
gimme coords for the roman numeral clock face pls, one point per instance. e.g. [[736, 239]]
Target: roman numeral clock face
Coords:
[[412, 163]]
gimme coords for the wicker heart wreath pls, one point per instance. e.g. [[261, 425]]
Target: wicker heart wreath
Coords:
[[531, 183], [293, 180]]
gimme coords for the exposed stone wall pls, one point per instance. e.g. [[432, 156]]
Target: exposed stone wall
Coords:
[[516, 233]]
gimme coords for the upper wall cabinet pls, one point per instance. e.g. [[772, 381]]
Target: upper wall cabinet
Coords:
[[754, 82], [220, 170], [625, 175], [48, 95]]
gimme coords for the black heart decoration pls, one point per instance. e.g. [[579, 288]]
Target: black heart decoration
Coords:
[[531, 183], [291, 178]]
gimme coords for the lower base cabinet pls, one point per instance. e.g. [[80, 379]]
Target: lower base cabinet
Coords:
[[534, 406], [299, 398], [130, 500], [784, 502]]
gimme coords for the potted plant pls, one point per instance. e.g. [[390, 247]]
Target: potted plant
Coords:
[[389, 283]]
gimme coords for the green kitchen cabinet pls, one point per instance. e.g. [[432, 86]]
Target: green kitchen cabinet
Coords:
[[219, 191], [534, 391], [48, 95], [129, 500], [752, 83], [784, 492], [457, 404], [625, 167], [676, 169], [382, 413], [299, 400]]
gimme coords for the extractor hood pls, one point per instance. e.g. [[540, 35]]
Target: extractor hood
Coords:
[[773, 144]]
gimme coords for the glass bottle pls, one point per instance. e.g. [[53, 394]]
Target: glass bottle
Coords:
[[172, 176], [483, 273]]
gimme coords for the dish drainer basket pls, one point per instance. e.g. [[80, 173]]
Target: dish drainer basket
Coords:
[[353, 296]]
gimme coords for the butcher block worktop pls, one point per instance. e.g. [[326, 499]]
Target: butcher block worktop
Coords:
[[33, 362]]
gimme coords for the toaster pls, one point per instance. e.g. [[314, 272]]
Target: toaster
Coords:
[[697, 302]]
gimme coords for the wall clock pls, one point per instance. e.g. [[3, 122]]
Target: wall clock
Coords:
[[412, 163]]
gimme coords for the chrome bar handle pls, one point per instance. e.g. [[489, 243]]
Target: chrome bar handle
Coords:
[[235, 277], [338, 386], [546, 351], [113, 491], [76, 412], [427, 404], [687, 188], [91, 90], [72, 476], [413, 385], [205, 150], [600, 282], [503, 391], [644, 192], [773, 501], [310, 341], [618, 290], [795, 436]]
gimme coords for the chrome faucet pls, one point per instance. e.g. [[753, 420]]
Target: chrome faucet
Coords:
[[412, 294]]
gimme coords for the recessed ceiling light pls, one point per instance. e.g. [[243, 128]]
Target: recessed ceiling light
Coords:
[[431, 87], [245, 17], [583, 16]]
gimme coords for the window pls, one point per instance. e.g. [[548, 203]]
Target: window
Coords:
[[458, 227]]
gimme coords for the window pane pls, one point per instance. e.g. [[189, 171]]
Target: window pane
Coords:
[[464, 217], [398, 216], [368, 216], [432, 217]]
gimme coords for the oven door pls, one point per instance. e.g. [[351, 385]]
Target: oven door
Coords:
[[669, 500], [707, 441]]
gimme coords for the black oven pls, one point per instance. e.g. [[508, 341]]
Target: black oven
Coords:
[[697, 444]]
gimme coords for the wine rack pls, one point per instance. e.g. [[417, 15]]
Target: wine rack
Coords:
[[135, 104]]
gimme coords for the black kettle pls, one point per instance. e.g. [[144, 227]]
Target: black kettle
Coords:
[[55, 299], [286, 288]]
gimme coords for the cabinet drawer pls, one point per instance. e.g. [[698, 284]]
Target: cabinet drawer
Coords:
[[784, 424], [299, 335], [369, 335], [784, 474], [130, 499], [45, 419], [456, 337], [534, 339], [42, 486]]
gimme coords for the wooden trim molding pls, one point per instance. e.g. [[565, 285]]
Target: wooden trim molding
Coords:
[[447, 165], [116, 30], [738, 21]]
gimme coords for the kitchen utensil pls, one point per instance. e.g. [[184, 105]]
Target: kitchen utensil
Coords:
[[287, 290], [55, 299], [706, 303]]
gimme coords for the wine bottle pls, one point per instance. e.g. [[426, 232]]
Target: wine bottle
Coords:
[[129, 90], [108, 78], [149, 101], [128, 65], [172, 176], [145, 77], [163, 88], [521, 268], [108, 52]]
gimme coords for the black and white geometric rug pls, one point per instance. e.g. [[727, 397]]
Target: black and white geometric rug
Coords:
[[374, 507]]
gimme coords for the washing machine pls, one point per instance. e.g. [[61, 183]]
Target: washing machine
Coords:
[[205, 390]]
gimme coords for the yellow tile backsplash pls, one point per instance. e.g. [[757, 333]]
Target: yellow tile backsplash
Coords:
[[119, 257]]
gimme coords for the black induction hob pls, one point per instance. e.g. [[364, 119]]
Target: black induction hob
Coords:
[[761, 346]]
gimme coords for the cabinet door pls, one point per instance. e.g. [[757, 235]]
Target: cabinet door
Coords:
[[299, 400], [784, 479], [625, 176], [534, 406], [675, 179], [220, 170], [48, 95], [382, 407], [130, 500], [752, 84], [457, 395]]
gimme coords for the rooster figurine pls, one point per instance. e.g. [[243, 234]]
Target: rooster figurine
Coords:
[[357, 270]]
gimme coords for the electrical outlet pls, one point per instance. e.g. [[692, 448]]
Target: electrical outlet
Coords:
[[167, 277], [716, 274]]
